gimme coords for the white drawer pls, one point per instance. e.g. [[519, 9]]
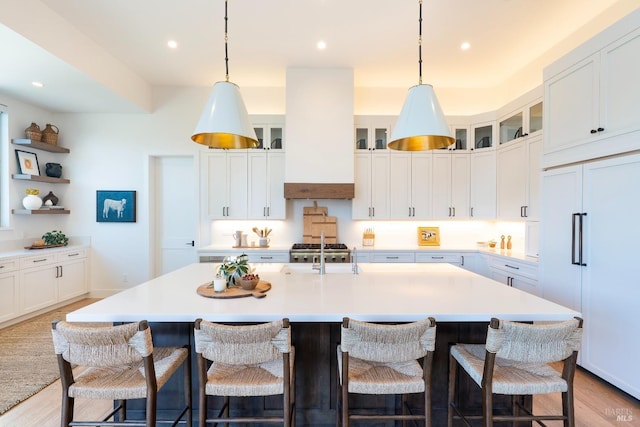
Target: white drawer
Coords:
[[43, 258], [516, 268], [269, 256], [71, 255], [393, 257], [439, 257], [8, 264]]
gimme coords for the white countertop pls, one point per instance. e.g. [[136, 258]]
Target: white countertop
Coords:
[[381, 292]]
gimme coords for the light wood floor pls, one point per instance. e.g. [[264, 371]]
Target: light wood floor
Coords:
[[597, 405]]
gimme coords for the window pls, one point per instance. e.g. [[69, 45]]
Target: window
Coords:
[[4, 167]]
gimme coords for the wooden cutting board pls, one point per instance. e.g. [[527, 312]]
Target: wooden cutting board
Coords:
[[311, 214], [326, 224]]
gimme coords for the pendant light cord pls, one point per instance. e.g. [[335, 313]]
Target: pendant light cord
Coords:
[[420, 45], [226, 40]]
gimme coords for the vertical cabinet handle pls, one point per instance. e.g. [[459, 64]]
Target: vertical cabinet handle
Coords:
[[409, 210], [454, 211], [471, 212], [414, 211], [577, 219]]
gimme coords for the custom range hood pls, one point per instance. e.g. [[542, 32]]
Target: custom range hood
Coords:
[[319, 133]]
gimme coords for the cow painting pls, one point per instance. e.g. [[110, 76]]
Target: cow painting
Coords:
[[114, 205]]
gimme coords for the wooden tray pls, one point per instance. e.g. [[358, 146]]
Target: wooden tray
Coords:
[[259, 291], [43, 246]]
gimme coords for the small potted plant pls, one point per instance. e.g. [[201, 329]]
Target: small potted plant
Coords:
[[55, 238], [233, 268]]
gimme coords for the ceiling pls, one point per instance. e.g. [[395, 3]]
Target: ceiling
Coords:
[[106, 56]]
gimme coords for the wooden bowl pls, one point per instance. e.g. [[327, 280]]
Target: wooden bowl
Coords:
[[247, 284]]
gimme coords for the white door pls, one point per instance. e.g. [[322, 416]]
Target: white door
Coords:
[[175, 212]]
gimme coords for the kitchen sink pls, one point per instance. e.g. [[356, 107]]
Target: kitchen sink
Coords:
[[329, 268]]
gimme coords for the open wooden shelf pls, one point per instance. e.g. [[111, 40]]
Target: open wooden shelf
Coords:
[[41, 212], [40, 178], [39, 145]]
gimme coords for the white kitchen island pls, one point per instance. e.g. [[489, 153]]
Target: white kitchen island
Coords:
[[461, 302], [380, 292]]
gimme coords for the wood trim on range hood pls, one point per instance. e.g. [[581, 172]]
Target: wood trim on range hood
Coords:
[[295, 190]]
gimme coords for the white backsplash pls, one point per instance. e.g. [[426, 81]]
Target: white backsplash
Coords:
[[389, 234]]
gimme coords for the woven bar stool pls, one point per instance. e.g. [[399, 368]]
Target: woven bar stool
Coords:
[[514, 361], [385, 359], [121, 364], [247, 360]]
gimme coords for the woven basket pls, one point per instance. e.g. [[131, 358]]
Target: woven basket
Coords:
[[33, 132], [50, 134]]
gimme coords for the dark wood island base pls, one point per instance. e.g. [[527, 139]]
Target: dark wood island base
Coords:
[[316, 376]]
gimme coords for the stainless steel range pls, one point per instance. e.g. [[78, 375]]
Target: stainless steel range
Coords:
[[310, 252]]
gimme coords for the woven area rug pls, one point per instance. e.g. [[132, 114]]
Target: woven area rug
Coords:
[[27, 360]]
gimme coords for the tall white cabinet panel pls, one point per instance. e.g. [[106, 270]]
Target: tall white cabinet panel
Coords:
[[266, 185], [482, 185], [72, 272], [591, 96], [588, 261]]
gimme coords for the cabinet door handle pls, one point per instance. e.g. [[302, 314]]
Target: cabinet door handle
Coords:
[[594, 131], [409, 210], [414, 211], [437, 257], [192, 243], [511, 266], [454, 211], [510, 281], [462, 260], [471, 212], [525, 134], [268, 210], [449, 210], [1, 266], [600, 129], [392, 257], [40, 260], [578, 217], [373, 210]]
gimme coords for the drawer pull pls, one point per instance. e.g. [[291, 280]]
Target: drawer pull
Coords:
[[266, 257], [39, 260], [437, 257], [392, 257], [511, 266], [76, 254]]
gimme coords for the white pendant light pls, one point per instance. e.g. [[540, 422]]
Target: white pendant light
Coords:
[[421, 125], [225, 122]]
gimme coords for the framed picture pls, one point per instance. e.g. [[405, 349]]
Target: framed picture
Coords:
[[27, 163], [115, 206], [429, 236]]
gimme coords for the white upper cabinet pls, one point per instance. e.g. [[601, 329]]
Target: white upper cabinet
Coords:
[[482, 185], [450, 185], [591, 95], [266, 185], [371, 199], [410, 185], [482, 135], [226, 184]]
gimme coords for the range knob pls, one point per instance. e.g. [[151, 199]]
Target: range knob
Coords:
[[333, 258]]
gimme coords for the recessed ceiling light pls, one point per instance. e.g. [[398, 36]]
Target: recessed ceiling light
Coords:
[[465, 46], [321, 45], [37, 84], [172, 44]]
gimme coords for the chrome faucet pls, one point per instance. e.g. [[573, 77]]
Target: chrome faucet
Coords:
[[320, 267], [354, 261]]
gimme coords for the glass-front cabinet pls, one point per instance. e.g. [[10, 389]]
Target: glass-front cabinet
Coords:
[[521, 123], [461, 136], [372, 132], [482, 135], [270, 137]]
